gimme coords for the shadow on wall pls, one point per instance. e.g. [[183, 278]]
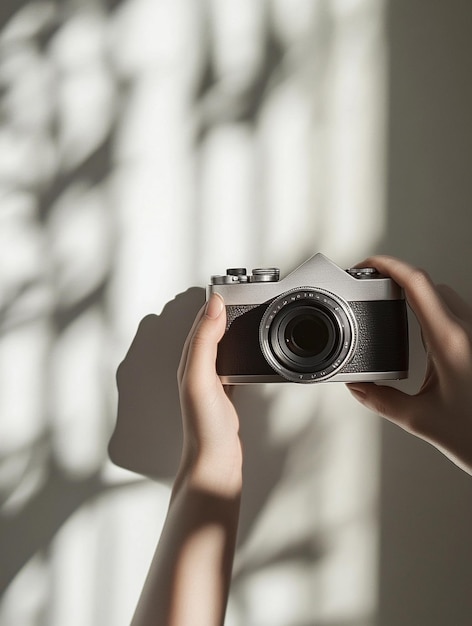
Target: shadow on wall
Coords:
[[28, 530], [31, 530]]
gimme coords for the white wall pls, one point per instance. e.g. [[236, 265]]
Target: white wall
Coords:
[[145, 146]]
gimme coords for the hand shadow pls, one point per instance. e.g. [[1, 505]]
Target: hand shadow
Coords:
[[148, 433]]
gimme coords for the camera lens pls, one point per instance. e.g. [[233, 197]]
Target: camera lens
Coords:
[[309, 334], [306, 335]]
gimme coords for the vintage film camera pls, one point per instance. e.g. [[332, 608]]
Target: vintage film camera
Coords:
[[319, 323]]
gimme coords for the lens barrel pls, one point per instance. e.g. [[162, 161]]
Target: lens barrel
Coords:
[[307, 335]]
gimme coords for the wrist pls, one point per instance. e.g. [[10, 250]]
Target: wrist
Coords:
[[218, 474]]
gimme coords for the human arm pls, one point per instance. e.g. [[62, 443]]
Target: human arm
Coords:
[[188, 581], [441, 411]]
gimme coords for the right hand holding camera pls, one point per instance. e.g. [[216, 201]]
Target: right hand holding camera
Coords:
[[441, 412]]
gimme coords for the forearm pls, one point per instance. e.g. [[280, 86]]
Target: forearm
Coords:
[[188, 581]]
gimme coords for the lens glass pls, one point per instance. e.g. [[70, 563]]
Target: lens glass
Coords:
[[308, 335], [304, 336]]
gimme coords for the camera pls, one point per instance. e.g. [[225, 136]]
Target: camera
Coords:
[[319, 323]]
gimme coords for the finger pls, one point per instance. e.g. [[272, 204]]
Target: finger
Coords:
[[387, 402], [455, 303], [423, 297], [203, 342]]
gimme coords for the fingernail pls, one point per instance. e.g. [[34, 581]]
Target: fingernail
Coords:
[[214, 306]]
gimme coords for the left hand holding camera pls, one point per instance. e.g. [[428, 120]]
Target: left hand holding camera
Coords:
[[441, 411], [211, 449], [188, 581]]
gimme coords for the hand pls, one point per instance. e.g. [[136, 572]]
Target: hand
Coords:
[[212, 449], [441, 412]]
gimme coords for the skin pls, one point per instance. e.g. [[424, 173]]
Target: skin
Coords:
[[188, 581], [441, 411]]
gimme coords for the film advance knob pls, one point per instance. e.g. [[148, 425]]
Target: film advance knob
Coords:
[[265, 274]]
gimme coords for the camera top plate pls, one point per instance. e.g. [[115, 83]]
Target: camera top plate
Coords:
[[355, 284]]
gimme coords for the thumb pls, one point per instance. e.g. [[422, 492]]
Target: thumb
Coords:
[[201, 347], [388, 402]]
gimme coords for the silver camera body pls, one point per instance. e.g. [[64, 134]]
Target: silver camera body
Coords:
[[319, 323]]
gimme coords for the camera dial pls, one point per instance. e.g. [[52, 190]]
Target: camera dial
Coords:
[[307, 334], [265, 275], [363, 272], [236, 271]]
